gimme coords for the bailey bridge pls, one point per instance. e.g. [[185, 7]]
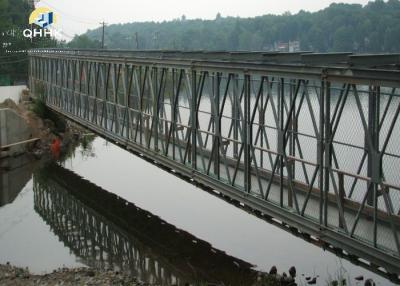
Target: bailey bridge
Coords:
[[310, 140]]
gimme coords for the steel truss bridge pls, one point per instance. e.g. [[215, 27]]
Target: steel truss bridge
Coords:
[[311, 140]]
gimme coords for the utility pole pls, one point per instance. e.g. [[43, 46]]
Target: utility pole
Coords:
[[102, 37], [137, 40], [155, 38]]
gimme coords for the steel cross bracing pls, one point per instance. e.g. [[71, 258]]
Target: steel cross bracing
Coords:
[[313, 145]]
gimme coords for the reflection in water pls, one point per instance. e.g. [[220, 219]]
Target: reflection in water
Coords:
[[14, 175], [106, 231]]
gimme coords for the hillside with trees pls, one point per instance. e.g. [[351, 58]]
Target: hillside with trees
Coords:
[[374, 27]]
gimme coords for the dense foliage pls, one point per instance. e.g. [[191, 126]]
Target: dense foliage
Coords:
[[14, 16], [374, 27]]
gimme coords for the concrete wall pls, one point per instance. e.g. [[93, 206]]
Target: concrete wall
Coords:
[[12, 92], [13, 129]]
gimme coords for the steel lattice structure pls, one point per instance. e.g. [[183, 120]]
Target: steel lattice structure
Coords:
[[309, 139]]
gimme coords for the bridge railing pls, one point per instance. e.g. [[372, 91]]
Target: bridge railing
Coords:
[[314, 145]]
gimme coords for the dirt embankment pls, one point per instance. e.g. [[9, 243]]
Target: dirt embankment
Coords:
[[45, 125]]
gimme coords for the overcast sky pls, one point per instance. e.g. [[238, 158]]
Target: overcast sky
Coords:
[[76, 16]]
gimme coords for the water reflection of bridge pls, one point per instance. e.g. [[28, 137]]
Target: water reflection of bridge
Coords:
[[106, 231]]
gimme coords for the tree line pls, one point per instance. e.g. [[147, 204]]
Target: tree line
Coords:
[[374, 27]]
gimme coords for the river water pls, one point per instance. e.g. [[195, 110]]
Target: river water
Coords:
[[32, 236]]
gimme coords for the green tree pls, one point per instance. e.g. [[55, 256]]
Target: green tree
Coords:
[[84, 42], [343, 40], [339, 27]]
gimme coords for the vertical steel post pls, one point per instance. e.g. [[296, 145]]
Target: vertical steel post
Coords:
[[281, 135], [247, 134], [141, 100], [157, 88], [73, 101], [194, 119], [374, 158], [342, 194], [235, 115], [217, 123], [261, 122], [126, 85], [374, 168], [291, 137], [173, 113], [328, 147], [320, 153], [106, 83]]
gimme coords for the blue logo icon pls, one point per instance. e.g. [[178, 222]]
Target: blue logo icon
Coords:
[[43, 17]]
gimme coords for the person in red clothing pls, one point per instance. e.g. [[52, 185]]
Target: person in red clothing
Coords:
[[55, 147]]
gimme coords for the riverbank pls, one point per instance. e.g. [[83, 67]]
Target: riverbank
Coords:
[[14, 276], [45, 126]]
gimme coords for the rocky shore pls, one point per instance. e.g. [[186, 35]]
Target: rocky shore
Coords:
[[14, 276]]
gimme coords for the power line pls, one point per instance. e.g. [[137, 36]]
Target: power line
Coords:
[[69, 18], [66, 34]]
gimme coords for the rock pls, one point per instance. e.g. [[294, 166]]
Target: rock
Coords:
[[292, 271], [38, 154], [369, 282], [91, 273], [359, 278], [285, 280], [313, 281], [25, 96], [273, 270]]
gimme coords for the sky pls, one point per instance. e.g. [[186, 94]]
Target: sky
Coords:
[[77, 16]]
